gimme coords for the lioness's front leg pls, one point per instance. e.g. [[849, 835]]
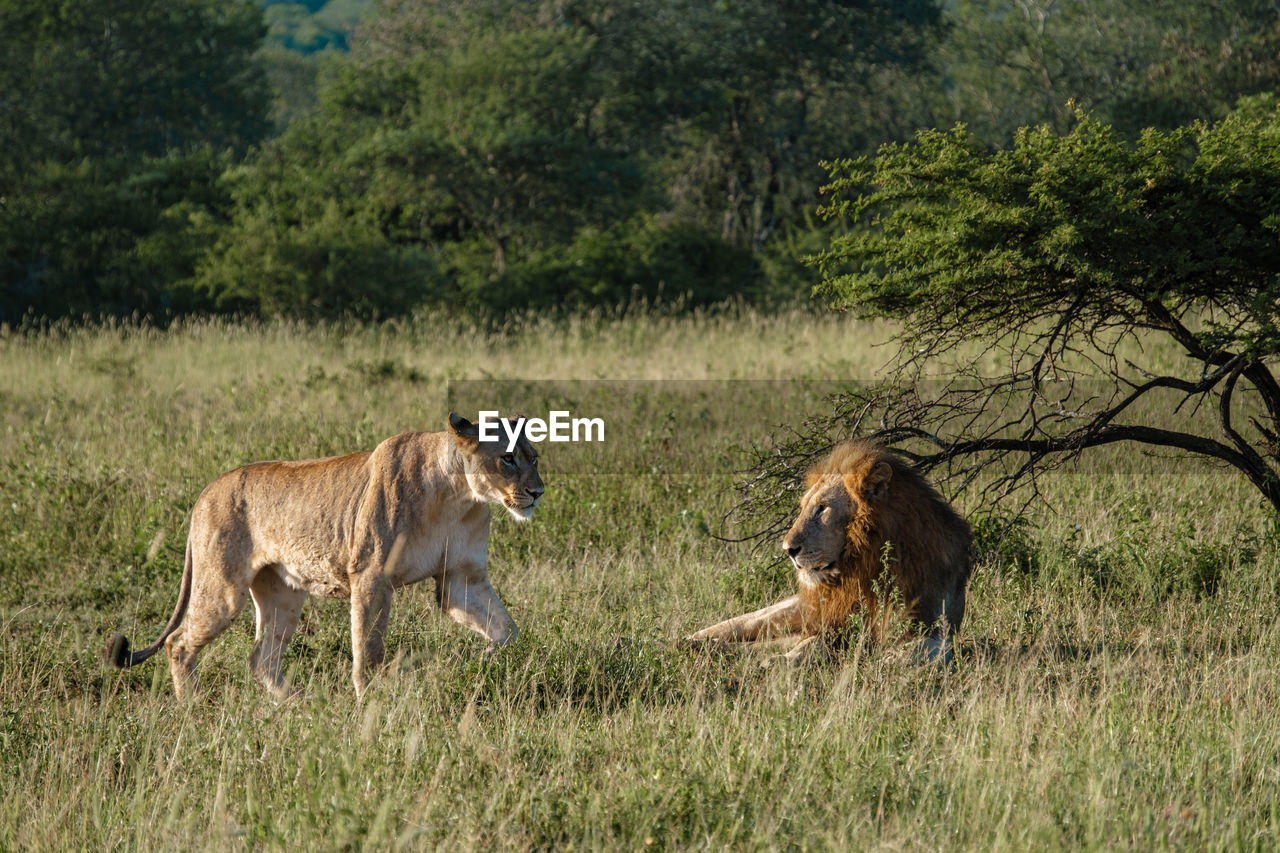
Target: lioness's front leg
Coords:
[[370, 609], [468, 597], [784, 617]]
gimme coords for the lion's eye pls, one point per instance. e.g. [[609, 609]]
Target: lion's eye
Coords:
[[509, 459]]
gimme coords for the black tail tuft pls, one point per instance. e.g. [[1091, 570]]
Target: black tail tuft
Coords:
[[116, 651]]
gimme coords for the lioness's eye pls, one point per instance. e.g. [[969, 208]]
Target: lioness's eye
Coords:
[[509, 459]]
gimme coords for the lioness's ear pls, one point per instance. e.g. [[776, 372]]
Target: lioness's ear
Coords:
[[877, 481], [463, 428]]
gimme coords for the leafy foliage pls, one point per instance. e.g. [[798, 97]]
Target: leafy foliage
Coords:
[[455, 163], [637, 261], [756, 109], [1083, 219], [1014, 63], [121, 78], [114, 113], [1053, 256], [106, 236], [494, 154]]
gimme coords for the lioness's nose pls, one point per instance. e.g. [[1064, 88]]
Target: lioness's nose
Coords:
[[535, 493], [791, 550]]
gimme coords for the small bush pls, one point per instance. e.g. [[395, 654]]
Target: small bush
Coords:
[[1003, 542]]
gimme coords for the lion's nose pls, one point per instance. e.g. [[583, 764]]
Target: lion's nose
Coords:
[[791, 550], [534, 493]]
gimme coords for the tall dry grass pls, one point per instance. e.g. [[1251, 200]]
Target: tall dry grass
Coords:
[[1118, 686]]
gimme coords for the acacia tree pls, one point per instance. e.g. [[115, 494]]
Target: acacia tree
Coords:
[[1034, 286]]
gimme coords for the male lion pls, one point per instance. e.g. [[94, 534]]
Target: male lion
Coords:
[[866, 517], [355, 527]]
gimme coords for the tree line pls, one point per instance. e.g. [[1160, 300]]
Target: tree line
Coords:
[[493, 155]]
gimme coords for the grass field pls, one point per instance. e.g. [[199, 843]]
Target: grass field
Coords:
[[1119, 685]]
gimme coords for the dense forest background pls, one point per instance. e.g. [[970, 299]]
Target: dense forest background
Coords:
[[370, 157]]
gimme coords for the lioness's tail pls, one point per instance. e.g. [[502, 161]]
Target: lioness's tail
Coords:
[[117, 653]]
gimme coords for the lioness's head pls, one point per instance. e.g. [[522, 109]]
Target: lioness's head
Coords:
[[842, 496], [496, 474]]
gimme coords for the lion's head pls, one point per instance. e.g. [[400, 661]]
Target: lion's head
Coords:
[[844, 494], [861, 503], [496, 474]]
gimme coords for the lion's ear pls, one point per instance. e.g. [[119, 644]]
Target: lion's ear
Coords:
[[463, 428], [877, 482]]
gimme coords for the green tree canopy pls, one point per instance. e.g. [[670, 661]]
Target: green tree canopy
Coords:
[[487, 155], [757, 89], [491, 154], [1034, 275], [113, 112], [550, 153], [456, 160], [1012, 63], [100, 78]]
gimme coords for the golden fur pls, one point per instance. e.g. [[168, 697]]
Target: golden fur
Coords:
[[863, 504], [355, 526]]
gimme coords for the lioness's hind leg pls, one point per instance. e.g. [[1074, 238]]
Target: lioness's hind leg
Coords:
[[277, 606], [210, 612]]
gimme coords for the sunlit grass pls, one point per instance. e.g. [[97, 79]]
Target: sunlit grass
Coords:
[[1118, 685]]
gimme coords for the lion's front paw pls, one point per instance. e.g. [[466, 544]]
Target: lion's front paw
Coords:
[[810, 650], [694, 643]]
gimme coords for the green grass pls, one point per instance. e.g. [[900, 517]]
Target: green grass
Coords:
[[1119, 685]]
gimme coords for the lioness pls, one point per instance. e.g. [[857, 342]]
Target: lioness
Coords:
[[354, 526], [863, 504]]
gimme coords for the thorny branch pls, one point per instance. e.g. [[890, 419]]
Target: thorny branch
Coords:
[[1001, 434]]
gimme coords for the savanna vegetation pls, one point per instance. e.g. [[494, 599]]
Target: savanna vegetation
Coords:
[[1117, 684], [235, 231], [367, 159], [1069, 256]]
